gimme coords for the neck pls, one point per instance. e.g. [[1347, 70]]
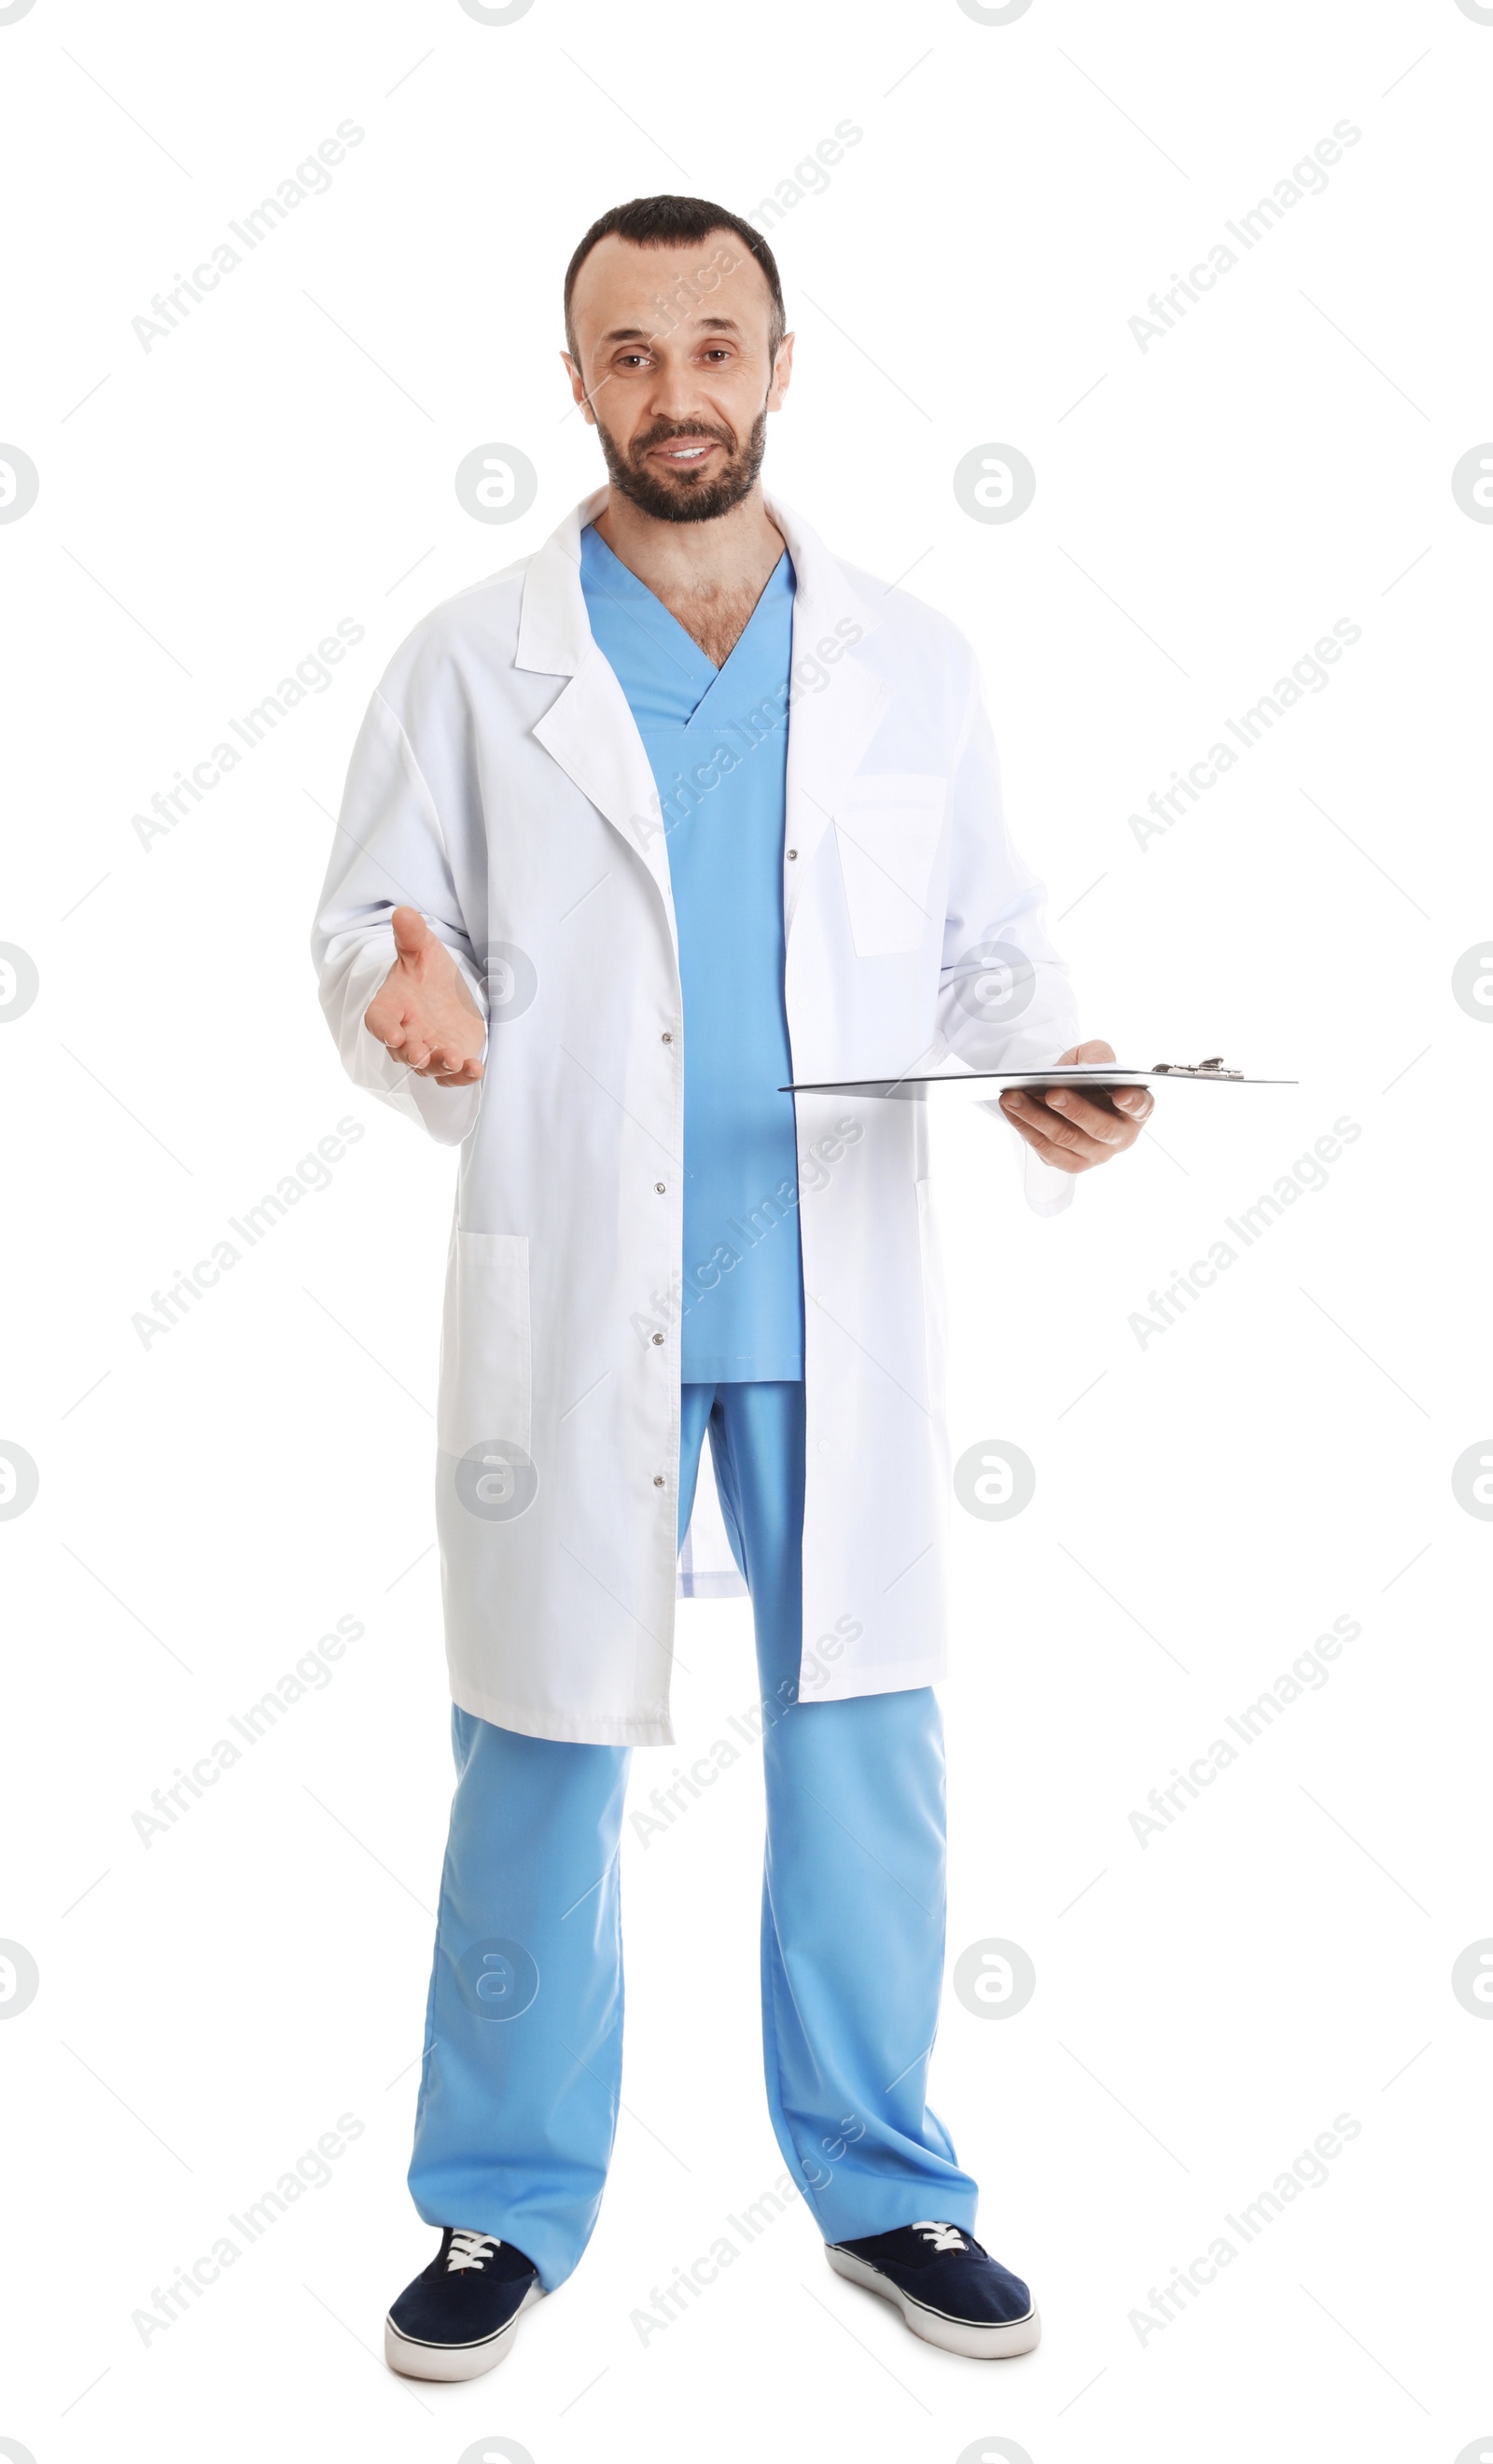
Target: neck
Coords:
[[699, 563]]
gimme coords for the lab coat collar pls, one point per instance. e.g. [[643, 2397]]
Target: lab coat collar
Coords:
[[589, 729], [554, 632]]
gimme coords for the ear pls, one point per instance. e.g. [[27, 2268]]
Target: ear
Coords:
[[577, 391], [782, 373]]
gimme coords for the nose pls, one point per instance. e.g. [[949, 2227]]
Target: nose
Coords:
[[674, 396]]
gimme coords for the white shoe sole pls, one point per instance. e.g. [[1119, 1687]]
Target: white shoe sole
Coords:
[[952, 2335], [416, 2361]]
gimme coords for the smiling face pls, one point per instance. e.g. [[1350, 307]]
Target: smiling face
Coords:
[[672, 359]]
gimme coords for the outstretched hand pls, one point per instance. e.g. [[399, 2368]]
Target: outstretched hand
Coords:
[[1073, 1130], [423, 1011]]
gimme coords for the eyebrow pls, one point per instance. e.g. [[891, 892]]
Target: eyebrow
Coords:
[[644, 334]]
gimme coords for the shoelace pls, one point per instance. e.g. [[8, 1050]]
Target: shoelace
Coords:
[[942, 2236], [470, 2249]]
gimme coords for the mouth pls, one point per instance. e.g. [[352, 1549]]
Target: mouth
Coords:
[[683, 452]]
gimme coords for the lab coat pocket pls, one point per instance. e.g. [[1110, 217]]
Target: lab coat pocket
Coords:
[[487, 1365], [888, 831]]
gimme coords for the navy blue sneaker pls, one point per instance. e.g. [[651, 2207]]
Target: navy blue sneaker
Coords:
[[460, 2315], [949, 2290]]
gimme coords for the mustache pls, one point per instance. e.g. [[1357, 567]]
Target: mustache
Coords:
[[665, 431]]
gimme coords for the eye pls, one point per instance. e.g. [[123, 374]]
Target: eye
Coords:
[[716, 352]]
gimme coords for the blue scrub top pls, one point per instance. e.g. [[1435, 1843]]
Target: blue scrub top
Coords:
[[717, 740]]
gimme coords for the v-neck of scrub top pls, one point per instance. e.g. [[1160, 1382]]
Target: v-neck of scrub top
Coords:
[[717, 742], [663, 671]]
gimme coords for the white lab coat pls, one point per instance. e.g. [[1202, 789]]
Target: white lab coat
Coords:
[[500, 787]]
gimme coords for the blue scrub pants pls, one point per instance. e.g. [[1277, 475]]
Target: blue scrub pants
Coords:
[[519, 2092]]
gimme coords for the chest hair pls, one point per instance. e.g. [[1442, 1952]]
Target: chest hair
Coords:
[[716, 624]]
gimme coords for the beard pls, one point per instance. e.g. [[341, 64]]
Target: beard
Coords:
[[688, 498]]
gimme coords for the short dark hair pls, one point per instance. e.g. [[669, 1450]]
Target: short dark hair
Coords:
[[667, 222]]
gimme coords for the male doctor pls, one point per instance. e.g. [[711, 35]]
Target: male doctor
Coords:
[[672, 813]]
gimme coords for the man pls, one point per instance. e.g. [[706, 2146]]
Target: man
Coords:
[[675, 813]]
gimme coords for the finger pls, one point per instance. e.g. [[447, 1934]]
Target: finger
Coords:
[[1064, 1158], [1036, 1120], [1129, 1106], [447, 1065], [386, 1015], [1083, 1113], [411, 933], [1065, 1121]]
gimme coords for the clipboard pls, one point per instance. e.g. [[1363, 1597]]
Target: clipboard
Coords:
[[1097, 1074]]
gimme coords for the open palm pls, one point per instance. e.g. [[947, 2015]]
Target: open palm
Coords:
[[423, 1011]]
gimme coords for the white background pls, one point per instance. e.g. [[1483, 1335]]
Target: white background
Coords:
[[1206, 1505]]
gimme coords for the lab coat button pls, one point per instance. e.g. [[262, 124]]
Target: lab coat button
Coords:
[[793, 855], [660, 1187], [668, 1038], [658, 1338], [658, 1479]]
